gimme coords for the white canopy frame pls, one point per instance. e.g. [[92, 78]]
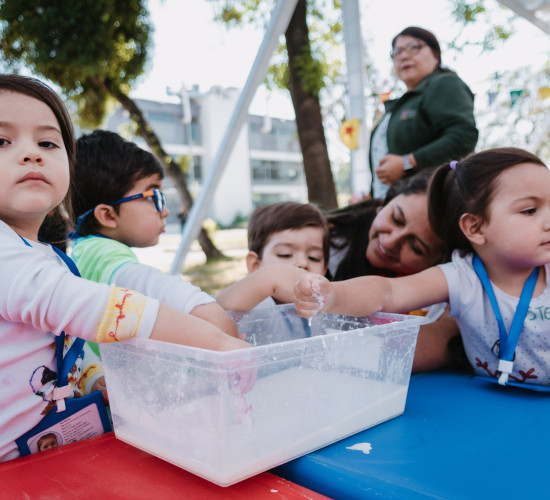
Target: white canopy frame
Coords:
[[535, 11]]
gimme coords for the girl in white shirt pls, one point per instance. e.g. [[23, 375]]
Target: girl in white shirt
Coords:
[[493, 210], [39, 297]]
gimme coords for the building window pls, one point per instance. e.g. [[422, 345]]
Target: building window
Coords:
[[166, 126], [195, 133], [282, 136], [195, 174], [267, 199], [194, 170], [161, 117], [276, 171], [170, 129]]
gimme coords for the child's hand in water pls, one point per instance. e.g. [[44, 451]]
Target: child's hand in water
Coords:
[[241, 375], [313, 294]]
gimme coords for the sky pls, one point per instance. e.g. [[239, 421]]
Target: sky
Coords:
[[190, 48]]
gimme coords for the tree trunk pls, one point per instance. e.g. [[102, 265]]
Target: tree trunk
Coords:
[[309, 121], [170, 166]]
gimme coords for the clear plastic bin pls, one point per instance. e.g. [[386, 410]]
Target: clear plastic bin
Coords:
[[314, 384]]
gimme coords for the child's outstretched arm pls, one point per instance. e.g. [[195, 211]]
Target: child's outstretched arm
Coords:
[[47, 297], [274, 280], [177, 327], [129, 273], [369, 294], [215, 314]]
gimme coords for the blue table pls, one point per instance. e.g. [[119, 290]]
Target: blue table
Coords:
[[459, 438]]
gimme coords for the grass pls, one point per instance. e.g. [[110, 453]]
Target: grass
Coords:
[[217, 274]]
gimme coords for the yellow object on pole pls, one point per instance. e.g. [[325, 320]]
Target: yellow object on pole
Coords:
[[349, 132]]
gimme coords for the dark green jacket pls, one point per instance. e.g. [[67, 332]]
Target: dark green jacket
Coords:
[[435, 121]]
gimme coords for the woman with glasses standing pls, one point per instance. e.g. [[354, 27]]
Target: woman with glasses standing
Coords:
[[431, 123]]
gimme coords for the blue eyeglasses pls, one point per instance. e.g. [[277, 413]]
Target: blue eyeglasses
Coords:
[[158, 198]]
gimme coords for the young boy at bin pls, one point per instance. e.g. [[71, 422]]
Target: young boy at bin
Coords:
[[119, 204], [280, 234]]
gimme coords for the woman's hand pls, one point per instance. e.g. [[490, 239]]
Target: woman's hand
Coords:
[[390, 169], [313, 294]]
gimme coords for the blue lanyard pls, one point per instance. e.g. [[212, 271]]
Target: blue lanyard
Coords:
[[508, 342], [64, 364]]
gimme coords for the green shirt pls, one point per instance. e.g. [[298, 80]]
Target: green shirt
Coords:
[[435, 121], [98, 258]]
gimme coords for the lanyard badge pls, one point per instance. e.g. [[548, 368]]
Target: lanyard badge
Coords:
[[509, 341], [71, 419]]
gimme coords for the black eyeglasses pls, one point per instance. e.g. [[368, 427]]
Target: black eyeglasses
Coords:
[[158, 198], [411, 49]]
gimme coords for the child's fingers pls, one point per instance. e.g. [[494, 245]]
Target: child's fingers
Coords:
[[242, 375], [306, 309], [310, 292], [306, 286], [312, 287]]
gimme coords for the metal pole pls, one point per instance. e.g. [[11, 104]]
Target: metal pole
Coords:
[[280, 18], [530, 11], [359, 166]]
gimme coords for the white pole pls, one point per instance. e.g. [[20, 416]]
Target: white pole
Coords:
[[280, 18], [359, 165]]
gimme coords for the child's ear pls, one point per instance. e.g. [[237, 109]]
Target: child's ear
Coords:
[[473, 228], [253, 262], [106, 216]]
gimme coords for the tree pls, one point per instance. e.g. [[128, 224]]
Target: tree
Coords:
[[498, 29], [94, 50], [516, 111], [303, 76]]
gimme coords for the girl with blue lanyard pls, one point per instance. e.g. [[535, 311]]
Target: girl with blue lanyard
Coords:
[[40, 298], [493, 211]]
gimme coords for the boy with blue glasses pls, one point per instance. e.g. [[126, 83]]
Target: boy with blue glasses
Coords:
[[119, 204], [156, 194]]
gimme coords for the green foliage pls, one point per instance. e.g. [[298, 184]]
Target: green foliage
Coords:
[[240, 221], [210, 225], [524, 124], [233, 13], [184, 162], [468, 11], [498, 23], [342, 177], [321, 66], [80, 46], [311, 72]]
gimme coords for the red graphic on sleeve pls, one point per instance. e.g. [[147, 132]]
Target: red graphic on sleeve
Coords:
[[121, 315]]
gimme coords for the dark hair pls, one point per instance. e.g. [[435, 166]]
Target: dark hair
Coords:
[[276, 217], [55, 229], [55, 223], [427, 37], [469, 187], [42, 438], [107, 167], [350, 226]]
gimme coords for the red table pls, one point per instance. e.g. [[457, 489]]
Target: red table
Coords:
[[105, 467]]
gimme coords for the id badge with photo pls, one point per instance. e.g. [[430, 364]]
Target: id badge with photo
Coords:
[[83, 418]]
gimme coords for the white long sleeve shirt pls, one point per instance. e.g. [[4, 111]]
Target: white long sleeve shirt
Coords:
[[40, 298], [108, 261]]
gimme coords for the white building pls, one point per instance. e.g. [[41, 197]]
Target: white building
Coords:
[[265, 165]]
